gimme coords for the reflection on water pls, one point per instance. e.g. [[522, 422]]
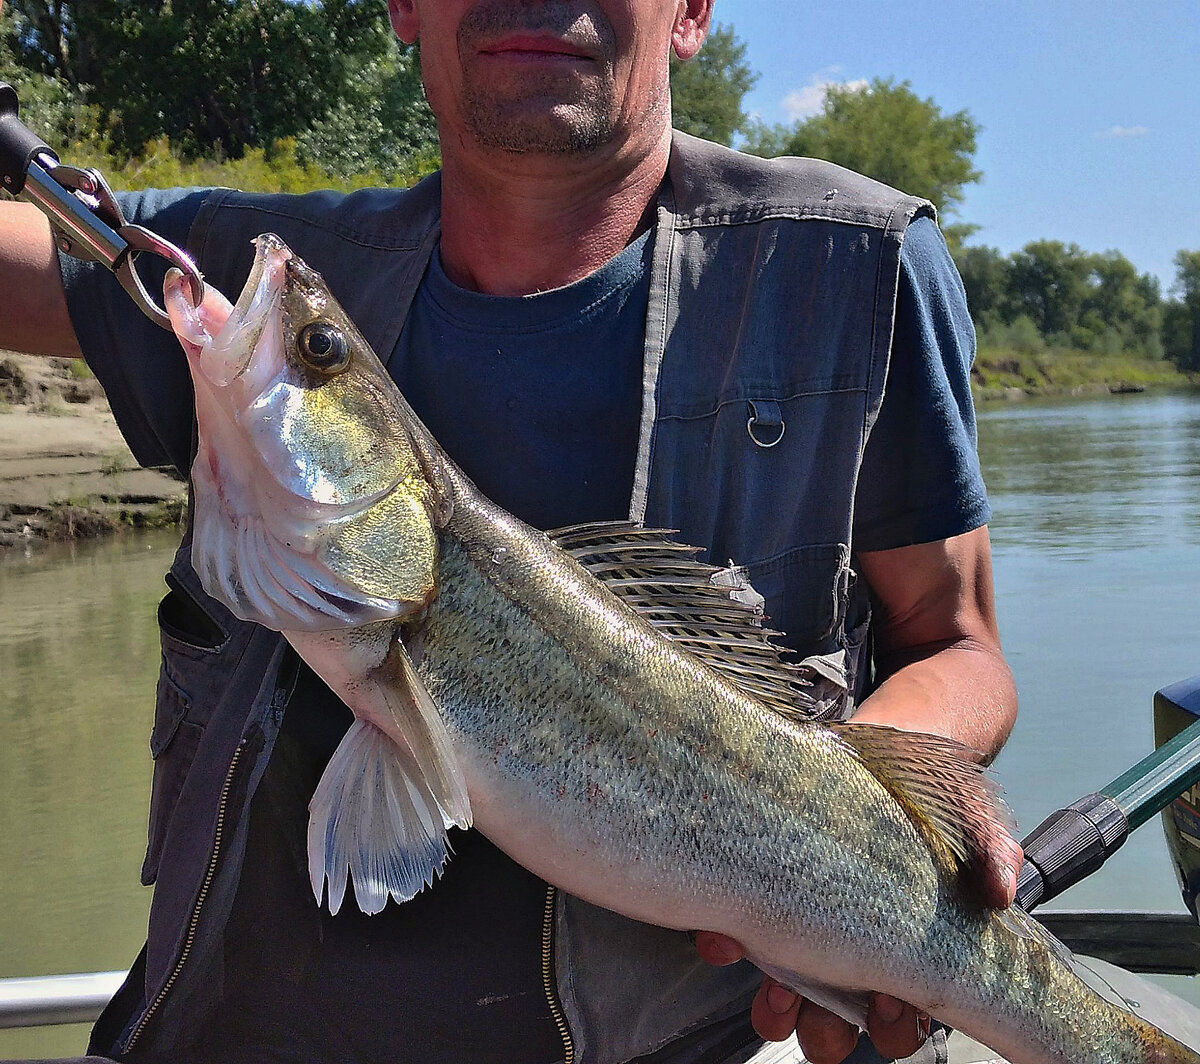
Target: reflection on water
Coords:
[[1096, 538], [78, 662], [1073, 479]]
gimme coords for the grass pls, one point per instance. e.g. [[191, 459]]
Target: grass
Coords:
[[1004, 372], [113, 464], [166, 514], [160, 164]]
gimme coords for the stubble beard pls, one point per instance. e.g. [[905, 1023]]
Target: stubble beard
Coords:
[[547, 112], [522, 126]]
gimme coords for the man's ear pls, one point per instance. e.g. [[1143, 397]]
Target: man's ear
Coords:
[[405, 19], [692, 18]]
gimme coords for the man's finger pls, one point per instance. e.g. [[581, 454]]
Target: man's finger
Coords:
[[998, 874], [898, 1030], [717, 949], [824, 1037], [773, 1013]]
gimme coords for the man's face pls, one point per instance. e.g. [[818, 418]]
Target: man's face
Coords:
[[543, 76]]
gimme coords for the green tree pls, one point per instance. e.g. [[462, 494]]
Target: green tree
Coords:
[[1121, 310], [984, 274], [381, 125], [207, 73], [708, 90], [887, 132], [49, 106], [1181, 326], [1048, 281]]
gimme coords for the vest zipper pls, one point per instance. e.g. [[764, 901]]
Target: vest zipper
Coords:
[[556, 1009], [190, 938]]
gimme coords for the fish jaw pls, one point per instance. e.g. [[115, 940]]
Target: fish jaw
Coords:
[[287, 513]]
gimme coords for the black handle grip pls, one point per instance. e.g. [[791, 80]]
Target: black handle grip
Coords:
[[1069, 845], [18, 143]]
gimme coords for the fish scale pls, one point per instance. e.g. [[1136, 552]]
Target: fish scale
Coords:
[[496, 681]]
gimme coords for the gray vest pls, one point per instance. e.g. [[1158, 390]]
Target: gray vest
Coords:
[[767, 339]]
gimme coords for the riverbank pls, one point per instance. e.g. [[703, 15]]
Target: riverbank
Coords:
[[65, 472], [1003, 373]]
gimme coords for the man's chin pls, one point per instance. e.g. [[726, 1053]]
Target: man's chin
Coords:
[[560, 129]]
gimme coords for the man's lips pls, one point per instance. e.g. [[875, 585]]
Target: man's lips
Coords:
[[530, 47]]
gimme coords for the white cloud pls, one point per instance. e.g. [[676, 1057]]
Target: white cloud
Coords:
[[809, 100], [1125, 131]]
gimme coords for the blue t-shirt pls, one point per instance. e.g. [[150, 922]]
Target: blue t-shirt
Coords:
[[567, 365], [538, 399]]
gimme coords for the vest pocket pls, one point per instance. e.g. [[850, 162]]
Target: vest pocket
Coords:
[[805, 589], [199, 654]]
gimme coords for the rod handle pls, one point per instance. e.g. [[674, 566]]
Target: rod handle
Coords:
[[1069, 845], [19, 145]]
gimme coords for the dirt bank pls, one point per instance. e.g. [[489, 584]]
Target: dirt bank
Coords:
[[64, 470]]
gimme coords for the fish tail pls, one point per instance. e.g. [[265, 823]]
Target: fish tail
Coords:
[[1044, 1009], [1159, 1047], [374, 818]]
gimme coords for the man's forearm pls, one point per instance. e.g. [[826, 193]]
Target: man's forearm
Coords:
[[964, 690], [34, 317], [937, 644]]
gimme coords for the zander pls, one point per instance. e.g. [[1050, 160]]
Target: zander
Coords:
[[593, 700]]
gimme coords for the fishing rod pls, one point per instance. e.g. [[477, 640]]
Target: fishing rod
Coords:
[[1072, 843], [87, 220]]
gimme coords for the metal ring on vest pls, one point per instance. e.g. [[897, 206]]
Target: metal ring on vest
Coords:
[[750, 423]]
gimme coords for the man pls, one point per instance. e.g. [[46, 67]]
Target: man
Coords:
[[586, 311]]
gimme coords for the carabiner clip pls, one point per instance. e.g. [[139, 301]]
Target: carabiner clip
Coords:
[[87, 219]]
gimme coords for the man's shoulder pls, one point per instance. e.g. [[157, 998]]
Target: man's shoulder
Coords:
[[380, 218], [379, 232], [711, 184]]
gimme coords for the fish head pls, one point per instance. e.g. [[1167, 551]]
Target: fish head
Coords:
[[314, 487]]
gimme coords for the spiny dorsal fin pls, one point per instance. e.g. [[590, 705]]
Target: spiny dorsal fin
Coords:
[[712, 613], [946, 793]]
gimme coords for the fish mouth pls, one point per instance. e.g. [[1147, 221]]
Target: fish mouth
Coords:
[[231, 351]]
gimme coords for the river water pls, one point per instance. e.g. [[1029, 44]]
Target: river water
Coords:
[[1096, 538]]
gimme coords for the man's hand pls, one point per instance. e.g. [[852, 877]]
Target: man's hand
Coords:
[[897, 1029], [937, 651]]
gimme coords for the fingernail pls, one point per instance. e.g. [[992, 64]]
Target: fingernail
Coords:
[[922, 1026], [780, 999], [888, 1008], [725, 954]]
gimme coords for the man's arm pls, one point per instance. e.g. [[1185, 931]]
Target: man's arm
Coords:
[[938, 652], [937, 646], [34, 315]]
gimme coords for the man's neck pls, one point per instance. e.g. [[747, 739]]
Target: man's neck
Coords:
[[515, 224]]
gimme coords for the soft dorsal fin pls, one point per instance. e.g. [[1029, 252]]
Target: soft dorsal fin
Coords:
[[945, 792], [712, 613]]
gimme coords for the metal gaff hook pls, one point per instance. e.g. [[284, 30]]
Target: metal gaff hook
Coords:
[[141, 240], [87, 219]]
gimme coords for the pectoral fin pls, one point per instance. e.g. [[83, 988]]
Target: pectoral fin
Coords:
[[938, 783], [417, 718], [373, 817]]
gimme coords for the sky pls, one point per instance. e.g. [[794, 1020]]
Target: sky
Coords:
[[1090, 111]]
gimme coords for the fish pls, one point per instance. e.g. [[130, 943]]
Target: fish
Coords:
[[607, 710]]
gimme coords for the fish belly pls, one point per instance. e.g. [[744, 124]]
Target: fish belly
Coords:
[[615, 768]]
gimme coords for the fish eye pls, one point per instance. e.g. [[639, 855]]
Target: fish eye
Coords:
[[323, 347]]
